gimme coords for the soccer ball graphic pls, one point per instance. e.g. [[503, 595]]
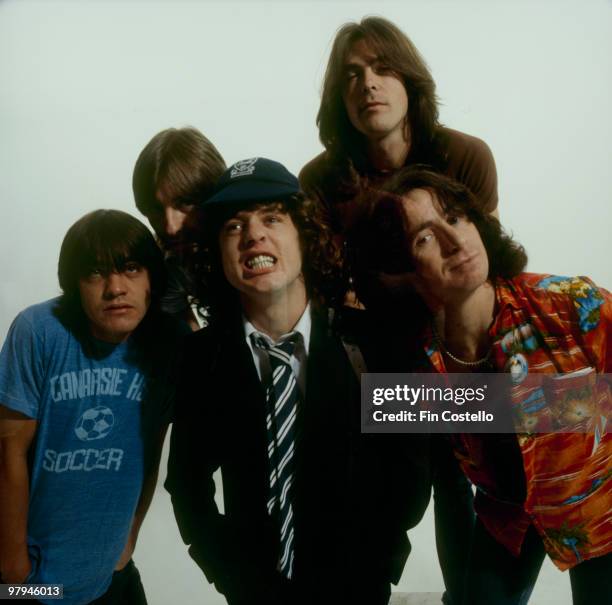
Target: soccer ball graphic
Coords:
[[95, 423]]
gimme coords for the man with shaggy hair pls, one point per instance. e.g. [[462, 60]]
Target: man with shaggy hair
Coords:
[[83, 411], [311, 511], [546, 488], [379, 113], [174, 173]]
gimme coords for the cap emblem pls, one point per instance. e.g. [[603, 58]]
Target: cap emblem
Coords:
[[243, 168]]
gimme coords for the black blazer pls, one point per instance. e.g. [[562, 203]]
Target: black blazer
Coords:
[[354, 495]]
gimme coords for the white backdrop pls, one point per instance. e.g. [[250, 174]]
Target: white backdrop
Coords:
[[85, 84]]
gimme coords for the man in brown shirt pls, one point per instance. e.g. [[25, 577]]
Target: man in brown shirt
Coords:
[[379, 113]]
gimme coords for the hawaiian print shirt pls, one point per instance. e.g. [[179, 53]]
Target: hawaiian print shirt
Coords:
[[549, 324]]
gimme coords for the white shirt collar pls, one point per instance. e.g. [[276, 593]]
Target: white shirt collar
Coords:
[[302, 327]]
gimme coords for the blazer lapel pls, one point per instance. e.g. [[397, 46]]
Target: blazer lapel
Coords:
[[240, 367], [327, 415], [329, 375], [245, 405]]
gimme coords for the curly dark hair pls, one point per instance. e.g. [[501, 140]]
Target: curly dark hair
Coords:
[[377, 241], [396, 50], [322, 263]]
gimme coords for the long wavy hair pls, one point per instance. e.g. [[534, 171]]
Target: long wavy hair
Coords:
[[377, 241], [396, 50], [322, 264]]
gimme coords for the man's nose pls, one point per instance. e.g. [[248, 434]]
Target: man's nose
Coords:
[[173, 221], [114, 285], [370, 79], [253, 232], [452, 241]]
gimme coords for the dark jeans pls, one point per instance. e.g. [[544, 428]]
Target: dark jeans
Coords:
[[454, 517], [496, 577], [125, 589]]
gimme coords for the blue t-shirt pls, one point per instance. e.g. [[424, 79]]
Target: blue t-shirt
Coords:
[[86, 472]]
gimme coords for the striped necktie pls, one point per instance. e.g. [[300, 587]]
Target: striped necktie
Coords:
[[281, 402]]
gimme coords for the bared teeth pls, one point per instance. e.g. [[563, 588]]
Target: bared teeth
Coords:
[[262, 261]]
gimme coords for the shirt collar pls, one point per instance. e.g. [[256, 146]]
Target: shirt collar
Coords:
[[504, 297], [302, 327]]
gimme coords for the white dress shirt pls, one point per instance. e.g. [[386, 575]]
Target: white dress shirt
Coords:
[[298, 358]]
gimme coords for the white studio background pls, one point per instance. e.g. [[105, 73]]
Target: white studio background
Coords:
[[85, 84]]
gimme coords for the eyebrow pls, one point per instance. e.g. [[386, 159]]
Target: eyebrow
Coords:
[[272, 208], [235, 217], [369, 61], [183, 200]]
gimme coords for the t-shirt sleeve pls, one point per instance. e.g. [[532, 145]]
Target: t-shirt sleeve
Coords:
[[471, 162], [21, 368]]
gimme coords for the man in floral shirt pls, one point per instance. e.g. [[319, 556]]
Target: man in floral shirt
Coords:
[[543, 489]]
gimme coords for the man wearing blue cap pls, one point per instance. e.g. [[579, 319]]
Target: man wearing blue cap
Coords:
[[270, 396]]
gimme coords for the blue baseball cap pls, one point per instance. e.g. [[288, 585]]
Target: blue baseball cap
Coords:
[[253, 180]]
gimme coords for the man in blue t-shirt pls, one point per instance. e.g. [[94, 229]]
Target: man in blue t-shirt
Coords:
[[83, 411]]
